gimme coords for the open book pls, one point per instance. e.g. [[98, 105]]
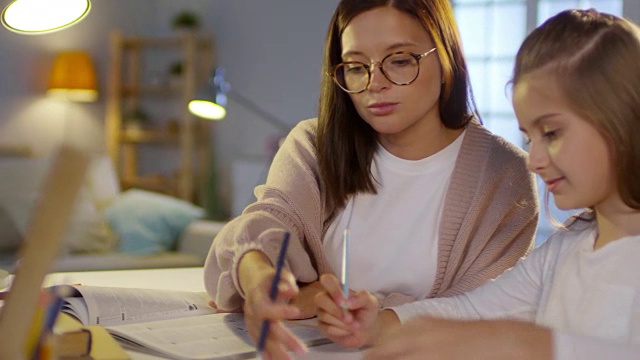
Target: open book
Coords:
[[172, 324], [106, 306]]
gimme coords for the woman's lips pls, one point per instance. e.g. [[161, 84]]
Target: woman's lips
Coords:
[[381, 109]]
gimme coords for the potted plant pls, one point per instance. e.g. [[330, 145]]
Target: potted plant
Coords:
[[175, 72], [186, 20], [136, 120]]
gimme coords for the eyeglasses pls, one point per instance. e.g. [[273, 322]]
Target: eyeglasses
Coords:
[[401, 68]]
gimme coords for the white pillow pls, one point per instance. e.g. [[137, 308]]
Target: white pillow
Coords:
[[102, 181], [22, 181]]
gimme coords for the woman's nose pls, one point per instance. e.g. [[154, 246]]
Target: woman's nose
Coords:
[[378, 80]]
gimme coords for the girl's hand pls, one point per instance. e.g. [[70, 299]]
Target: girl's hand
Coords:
[[305, 300], [349, 322], [258, 307], [219, 310], [441, 339]]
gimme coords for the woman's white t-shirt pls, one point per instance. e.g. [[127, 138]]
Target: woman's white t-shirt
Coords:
[[394, 233]]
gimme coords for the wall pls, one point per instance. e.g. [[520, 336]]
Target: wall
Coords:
[[28, 117], [271, 51], [631, 10]]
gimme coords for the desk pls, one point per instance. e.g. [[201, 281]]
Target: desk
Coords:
[[184, 279]]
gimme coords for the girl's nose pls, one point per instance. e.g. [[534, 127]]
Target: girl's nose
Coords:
[[538, 157]]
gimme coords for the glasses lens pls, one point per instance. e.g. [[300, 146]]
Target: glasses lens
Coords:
[[352, 76], [401, 69]]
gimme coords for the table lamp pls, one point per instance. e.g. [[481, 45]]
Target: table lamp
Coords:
[[43, 16], [73, 77]]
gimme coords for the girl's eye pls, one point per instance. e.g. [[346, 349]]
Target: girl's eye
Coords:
[[550, 134], [527, 140]]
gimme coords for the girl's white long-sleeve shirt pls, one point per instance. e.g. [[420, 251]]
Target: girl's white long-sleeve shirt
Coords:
[[591, 299]]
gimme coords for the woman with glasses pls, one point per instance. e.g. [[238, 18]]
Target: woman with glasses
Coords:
[[433, 203]]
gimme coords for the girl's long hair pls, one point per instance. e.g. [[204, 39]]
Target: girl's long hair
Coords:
[[595, 59]]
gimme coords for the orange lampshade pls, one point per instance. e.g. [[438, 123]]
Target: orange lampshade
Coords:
[[73, 77]]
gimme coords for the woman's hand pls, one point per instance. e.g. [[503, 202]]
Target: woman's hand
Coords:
[[441, 339], [351, 322], [258, 307], [256, 275]]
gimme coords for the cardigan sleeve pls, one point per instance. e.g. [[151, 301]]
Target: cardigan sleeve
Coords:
[[289, 201], [490, 215]]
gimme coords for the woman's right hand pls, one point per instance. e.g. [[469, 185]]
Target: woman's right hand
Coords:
[[256, 276], [351, 322]]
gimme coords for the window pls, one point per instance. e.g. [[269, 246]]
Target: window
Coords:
[[492, 31]]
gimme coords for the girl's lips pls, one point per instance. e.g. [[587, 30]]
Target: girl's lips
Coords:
[[381, 109], [553, 183]]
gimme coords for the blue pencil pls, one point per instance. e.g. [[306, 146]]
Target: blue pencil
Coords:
[[264, 332]]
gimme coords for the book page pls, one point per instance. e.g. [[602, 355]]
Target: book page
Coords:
[[216, 336], [113, 306]]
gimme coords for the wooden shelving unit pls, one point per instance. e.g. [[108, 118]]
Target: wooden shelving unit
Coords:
[[130, 88]]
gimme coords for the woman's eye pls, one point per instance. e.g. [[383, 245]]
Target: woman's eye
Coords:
[[401, 62], [355, 69]]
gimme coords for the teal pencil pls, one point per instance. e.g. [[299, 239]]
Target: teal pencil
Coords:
[[345, 265]]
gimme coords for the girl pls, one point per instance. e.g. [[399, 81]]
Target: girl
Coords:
[[435, 204], [577, 99]]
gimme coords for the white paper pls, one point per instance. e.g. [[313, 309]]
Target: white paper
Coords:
[[216, 336]]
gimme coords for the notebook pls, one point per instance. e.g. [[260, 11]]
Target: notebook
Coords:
[[41, 245]]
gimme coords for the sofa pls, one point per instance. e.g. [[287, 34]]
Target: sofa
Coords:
[[110, 229]]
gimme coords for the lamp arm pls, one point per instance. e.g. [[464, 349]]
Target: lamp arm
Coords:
[[245, 102]]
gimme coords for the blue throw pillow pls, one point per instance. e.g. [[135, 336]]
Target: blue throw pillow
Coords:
[[149, 222]]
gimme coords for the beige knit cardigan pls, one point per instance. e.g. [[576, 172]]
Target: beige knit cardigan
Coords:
[[488, 221]]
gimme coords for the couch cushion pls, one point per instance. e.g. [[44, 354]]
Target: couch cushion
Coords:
[[198, 237], [22, 180], [148, 222], [120, 261], [113, 261], [9, 234]]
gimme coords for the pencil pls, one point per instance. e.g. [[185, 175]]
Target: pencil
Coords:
[[345, 264], [264, 331]]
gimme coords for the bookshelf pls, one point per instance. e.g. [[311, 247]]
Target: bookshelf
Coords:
[[179, 141]]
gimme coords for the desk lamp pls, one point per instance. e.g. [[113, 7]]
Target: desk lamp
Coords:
[[210, 101]]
